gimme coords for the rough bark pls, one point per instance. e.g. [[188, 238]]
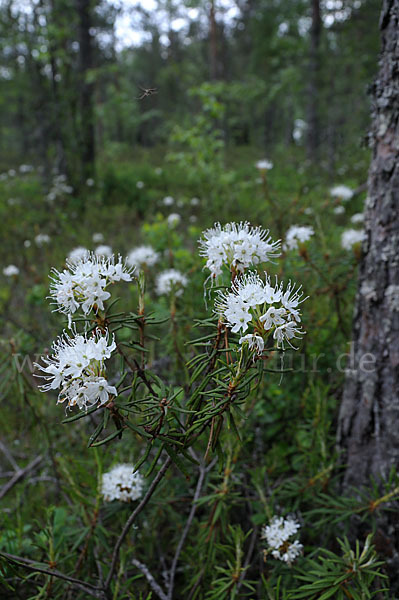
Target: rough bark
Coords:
[[313, 82], [368, 429]]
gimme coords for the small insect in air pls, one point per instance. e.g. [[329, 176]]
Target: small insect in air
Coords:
[[147, 92]]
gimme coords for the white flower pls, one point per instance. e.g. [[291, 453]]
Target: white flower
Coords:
[[12, 173], [168, 201], [264, 165], [173, 219], [289, 552], [256, 306], [171, 281], [308, 211], [103, 250], [341, 191], [25, 168], [77, 253], [77, 368], [142, 256], [97, 238], [273, 316], [122, 484], [158, 171], [351, 237], [194, 201], [10, 271], [339, 210], [140, 185], [357, 218], [90, 182], [83, 283], [255, 342], [27, 243], [42, 238], [237, 246], [279, 544], [297, 234], [192, 219]]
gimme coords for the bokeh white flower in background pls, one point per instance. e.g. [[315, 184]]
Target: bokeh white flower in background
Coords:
[[237, 246], [25, 169], [142, 257], [171, 281], [342, 192], [120, 483], [357, 218], [103, 250], [97, 238], [173, 220], [297, 234], [41, 239], [264, 165], [168, 201], [350, 237], [140, 185], [339, 210], [279, 536], [10, 271], [77, 253]]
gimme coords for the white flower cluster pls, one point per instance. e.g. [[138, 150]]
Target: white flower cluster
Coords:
[[278, 535], [10, 271], [357, 218], [297, 234], [83, 284], [142, 256], [77, 368], [59, 187], [342, 192], [41, 239], [122, 484], [173, 220], [103, 250], [339, 210], [351, 237], [171, 281], [264, 309], [264, 165], [236, 245], [97, 238]]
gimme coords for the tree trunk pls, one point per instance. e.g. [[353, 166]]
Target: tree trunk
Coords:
[[313, 134], [368, 428], [213, 43], [84, 9]]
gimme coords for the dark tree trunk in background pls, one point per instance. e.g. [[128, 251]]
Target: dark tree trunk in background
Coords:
[[87, 131], [213, 43], [368, 432], [313, 133]]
